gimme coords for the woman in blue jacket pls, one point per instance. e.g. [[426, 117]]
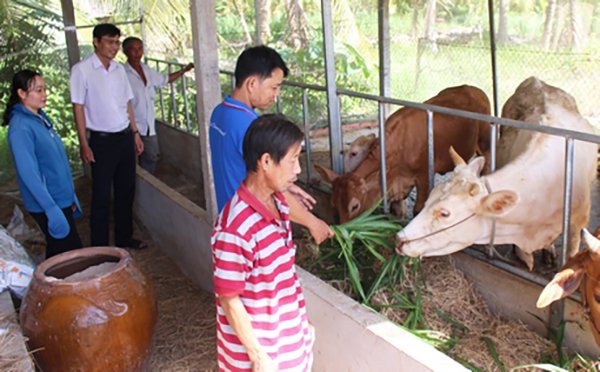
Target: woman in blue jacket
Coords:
[[45, 180]]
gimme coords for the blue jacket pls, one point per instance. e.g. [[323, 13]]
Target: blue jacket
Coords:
[[45, 180], [228, 125]]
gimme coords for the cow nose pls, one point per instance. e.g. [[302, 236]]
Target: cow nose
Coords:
[[399, 245]]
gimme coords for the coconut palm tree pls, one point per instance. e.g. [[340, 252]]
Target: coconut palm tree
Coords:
[[25, 32]]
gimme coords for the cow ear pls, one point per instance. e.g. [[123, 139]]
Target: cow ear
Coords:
[[476, 165], [327, 174], [563, 284], [498, 203]]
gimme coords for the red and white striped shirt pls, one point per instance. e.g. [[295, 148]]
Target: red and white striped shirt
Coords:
[[253, 256]]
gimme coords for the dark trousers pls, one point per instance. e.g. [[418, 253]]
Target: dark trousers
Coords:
[[56, 246], [114, 167]]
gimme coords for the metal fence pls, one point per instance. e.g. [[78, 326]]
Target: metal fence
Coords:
[[307, 125], [177, 107]]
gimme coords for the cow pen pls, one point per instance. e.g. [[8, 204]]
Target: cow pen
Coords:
[[469, 265], [182, 225]]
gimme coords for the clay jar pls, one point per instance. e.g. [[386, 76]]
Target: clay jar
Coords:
[[90, 309]]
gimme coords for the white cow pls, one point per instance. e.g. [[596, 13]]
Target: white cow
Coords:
[[524, 197]]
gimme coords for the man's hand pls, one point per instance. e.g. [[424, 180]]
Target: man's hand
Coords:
[[319, 230], [86, 153], [139, 145], [264, 363], [304, 198]]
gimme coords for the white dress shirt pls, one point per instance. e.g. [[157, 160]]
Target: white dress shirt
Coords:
[[143, 96], [103, 93]]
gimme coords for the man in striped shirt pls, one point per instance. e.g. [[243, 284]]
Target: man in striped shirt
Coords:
[[262, 323]]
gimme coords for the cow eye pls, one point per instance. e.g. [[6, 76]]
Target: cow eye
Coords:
[[444, 213]]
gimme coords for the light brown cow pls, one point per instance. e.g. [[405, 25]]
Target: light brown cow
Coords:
[[581, 271], [358, 151], [524, 198], [406, 152]]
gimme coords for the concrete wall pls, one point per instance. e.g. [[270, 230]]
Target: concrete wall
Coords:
[[179, 226], [178, 147]]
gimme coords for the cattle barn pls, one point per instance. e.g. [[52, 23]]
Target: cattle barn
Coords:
[[180, 222]]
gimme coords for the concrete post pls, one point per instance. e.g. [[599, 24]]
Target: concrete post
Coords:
[[208, 88], [333, 104], [70, 32], [383, 18]]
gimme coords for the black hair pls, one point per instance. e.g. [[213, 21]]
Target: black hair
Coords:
[[272, 134], [105, 29], [130, 40], [23, 80], [260, 61]]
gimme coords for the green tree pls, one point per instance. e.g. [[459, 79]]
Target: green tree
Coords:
[[25, 29], [502, 35]]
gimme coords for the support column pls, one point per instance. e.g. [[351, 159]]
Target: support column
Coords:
[[208, 87], [333, 104], [493, 57], [70, 32], [383, 17]]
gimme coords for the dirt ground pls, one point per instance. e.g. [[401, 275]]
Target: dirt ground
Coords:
[[185, 333]]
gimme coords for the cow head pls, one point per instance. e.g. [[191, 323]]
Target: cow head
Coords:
[[350, 193], [582, 269], [457, 213], [357, 152]]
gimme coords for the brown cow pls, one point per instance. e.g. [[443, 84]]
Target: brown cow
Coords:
[[581, 271], [406, 152]]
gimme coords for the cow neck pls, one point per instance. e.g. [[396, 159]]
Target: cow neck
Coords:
[[584, 287]]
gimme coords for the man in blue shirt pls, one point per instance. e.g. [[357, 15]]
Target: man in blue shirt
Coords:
[[259, 73]]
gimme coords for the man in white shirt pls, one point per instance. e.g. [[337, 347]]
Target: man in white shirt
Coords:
[[145, 82], [101, 98]]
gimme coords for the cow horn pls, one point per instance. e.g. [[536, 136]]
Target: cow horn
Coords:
[[455, 157], [592, 242]]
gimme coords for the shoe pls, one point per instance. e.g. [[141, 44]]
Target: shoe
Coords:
[[134, 244]]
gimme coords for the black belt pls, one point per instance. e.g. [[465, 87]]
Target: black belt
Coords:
[[111, 134]]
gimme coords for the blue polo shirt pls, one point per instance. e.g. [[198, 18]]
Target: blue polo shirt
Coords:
[[228, 124]]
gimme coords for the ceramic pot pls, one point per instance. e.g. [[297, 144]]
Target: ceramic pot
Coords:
[[90, 309]]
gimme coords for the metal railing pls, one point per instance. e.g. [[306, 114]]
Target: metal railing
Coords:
[[170, 113]]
